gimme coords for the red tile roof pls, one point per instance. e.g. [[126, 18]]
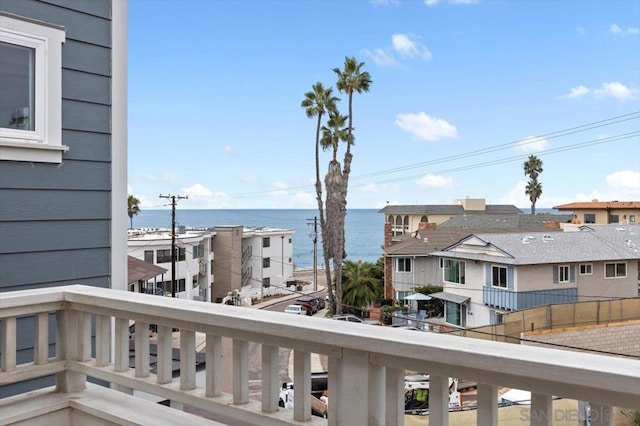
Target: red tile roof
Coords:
[[599, 205]]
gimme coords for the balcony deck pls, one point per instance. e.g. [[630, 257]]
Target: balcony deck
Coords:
[[366, 363]]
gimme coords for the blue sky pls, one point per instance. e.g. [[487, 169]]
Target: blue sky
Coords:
[[463, 91]]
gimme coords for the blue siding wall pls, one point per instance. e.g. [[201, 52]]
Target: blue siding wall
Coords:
[[55, 219]]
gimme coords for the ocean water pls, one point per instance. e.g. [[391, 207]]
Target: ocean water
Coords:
[[363, 228]]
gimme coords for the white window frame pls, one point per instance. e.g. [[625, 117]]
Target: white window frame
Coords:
[[461, 267], [564, 277], [506, 276], [616, 276], [588, 269], [404, 259], [44, 143]]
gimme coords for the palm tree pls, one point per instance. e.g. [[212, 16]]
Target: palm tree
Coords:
[[316, 103], [133, 208], [334, 133], [351, 79], [532, 167], [361, 285], [534, 191]]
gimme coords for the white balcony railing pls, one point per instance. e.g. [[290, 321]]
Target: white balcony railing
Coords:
[[366, 363]]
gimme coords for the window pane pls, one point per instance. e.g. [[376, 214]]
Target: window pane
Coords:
[[17, 85], [621, 269], [452, 315], [610, 270]]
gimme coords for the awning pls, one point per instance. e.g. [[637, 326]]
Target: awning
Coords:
[[450, 297], [418, 296], [139, 270]]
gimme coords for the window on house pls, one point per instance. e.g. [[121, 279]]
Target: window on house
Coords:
[[454, 313], [614, 218], [163, 256], [589, 218], [563, 274], [424, 219], [499, 276], [181, 284], [632, 218], [194, 281], [148, 256], [266, 262], [401, 297], [289, 240], [182, 254], [266, 282], [615, 270], [454, 271], [31, 87], [198, 251], [586, 269], [266, 242], [403, 264]]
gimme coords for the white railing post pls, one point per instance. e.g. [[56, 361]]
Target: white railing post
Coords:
[[302, 386], [69, 332], [84, 334], [9, 345], [270, 385], [601, 415], [141, 345], [353, 407], [334, 384], [240, 371], [121, 361], [103, 340], [394, 396], [165, 355], [487, 405], [41, 349], [376, 395], [541, 413], [187, 359], [438, 400], [213, 386]]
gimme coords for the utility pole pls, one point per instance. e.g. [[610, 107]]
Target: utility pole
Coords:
[[173, 199], [315, 253]]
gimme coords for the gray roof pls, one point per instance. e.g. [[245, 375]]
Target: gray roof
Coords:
[[523, 222], [426, 242], [600, 243], [452, 209]]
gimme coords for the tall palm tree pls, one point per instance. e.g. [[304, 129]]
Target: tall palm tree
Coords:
[[532, 167], [351, 79], [534, 191], [133, 208], [361, 285], [316, 103]]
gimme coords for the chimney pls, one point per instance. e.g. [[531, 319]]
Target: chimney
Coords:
[[427, 225], [388, 234]]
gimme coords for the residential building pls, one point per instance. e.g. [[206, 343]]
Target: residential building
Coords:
[[487, 275], [603, 212], [406, 219], [250, 260], [63, 154], [193, 266], [139, 273]]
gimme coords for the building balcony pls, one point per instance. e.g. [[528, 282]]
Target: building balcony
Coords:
[[516, 300], [366, 365]]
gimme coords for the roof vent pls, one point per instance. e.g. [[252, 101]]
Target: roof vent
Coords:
[[546, 238]]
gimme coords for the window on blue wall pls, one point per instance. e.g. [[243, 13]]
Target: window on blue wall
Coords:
[[499, 276], [403, 264], [563, 274], [454, 271]]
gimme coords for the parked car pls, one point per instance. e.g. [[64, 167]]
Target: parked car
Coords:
[[310, 303], [295, 309], [347, 317]]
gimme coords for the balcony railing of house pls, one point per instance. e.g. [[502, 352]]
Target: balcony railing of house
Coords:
[[366, 363], [517, 300]]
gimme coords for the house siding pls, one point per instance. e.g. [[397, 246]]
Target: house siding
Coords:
[[56, 221]]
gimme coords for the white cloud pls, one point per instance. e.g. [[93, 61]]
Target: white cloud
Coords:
[[385, 2], [249, 179], [425, 127], [615, 90], [517, 197], [576, 92], [409, 46], [435, 181], [617, 30], [381, 57], [303, 200], [197, 190], [531, 144], [626, 180], [431, 2], [434, 2], [281, 189], [228, 149]]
